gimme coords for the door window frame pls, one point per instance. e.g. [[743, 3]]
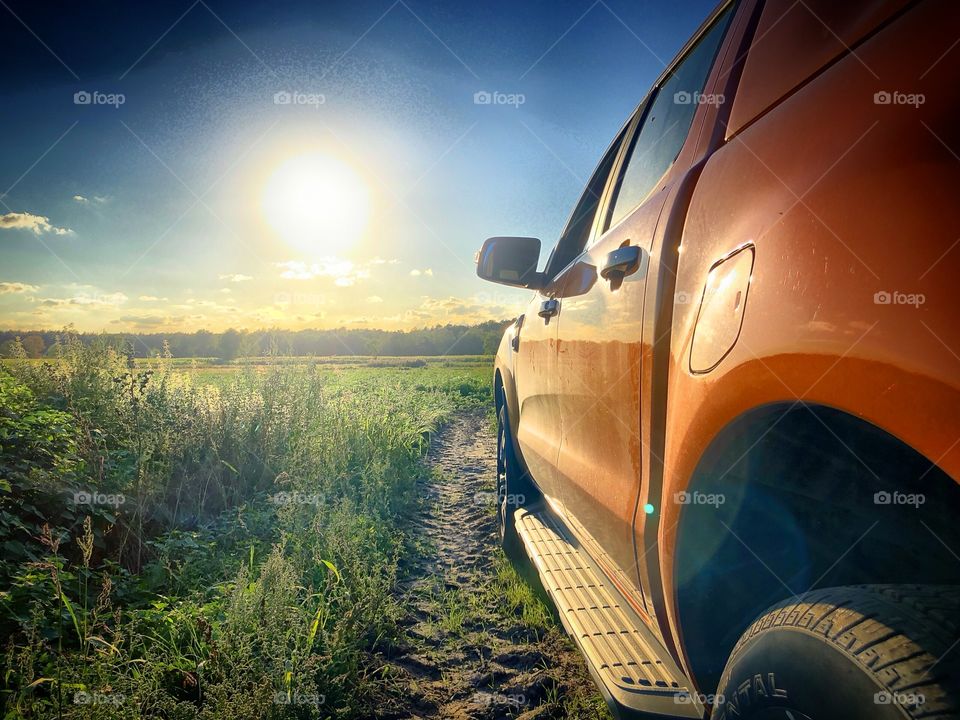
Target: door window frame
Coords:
[[639, 116], [621, 140]]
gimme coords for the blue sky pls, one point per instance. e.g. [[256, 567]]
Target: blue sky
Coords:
[[150, 214]]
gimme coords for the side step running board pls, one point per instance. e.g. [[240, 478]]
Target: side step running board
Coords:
[[636, 674]]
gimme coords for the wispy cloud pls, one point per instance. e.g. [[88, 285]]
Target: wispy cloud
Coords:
[[343, 272], [37, 224], [87, 299], [417, 273], [235, 277], [152, 323], [8, 288], [95, 200], [477, 308]]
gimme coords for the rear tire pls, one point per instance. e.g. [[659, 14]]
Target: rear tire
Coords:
[[871, 652], [514, 489]]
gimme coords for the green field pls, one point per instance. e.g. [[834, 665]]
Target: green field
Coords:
[[187, 539]]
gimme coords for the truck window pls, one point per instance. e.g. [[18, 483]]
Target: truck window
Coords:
[[575, 236], [667, 122]]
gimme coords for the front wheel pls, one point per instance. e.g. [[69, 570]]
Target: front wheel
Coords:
[[871, 652], [514, 489]]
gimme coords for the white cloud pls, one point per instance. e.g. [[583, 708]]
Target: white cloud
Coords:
[[236, 277], [37, 224], [7, 288], [417, 273], [374, 299], [344, 272], [87, 299], [151, 298], [96, 200], [226, 291], [478, 308]]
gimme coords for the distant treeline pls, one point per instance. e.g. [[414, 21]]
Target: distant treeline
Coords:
[[479, 339]]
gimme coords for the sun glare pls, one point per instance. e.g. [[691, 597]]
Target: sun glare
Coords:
[[315, 202]]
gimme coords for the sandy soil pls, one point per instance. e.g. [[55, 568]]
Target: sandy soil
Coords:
[[468, 652]]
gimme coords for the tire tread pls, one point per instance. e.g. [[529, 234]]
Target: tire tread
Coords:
[[896, 633]]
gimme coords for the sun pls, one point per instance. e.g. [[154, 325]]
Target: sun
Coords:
[[316, 202]]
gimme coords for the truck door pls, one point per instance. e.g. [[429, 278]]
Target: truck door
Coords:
[[535, 371], [600, 349]]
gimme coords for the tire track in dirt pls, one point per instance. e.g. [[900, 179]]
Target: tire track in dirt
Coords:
[[469, 653]]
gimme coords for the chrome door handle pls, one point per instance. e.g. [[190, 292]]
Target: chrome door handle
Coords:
[[517, 327], [621, 262], [549, 308]]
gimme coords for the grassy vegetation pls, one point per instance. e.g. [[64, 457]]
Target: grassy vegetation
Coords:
[[208, 541]]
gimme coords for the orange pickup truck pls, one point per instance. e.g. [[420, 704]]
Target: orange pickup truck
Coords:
[[729, 419]]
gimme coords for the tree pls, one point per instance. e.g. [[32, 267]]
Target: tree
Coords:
[[34, 346], [9, 348], [230, 345]]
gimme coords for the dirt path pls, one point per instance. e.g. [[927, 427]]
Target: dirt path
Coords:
[[478, 644]]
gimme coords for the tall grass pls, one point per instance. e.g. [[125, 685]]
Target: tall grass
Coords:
[[239, 555]]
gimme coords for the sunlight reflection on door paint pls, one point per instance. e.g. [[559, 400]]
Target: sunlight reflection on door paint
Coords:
[[316, 203]]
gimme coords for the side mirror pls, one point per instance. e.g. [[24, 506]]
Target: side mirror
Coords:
[[510, 261]]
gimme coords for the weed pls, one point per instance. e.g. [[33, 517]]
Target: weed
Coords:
[[207, 543]]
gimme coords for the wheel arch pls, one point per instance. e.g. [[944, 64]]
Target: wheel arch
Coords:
[[785, 498], [505, 393]]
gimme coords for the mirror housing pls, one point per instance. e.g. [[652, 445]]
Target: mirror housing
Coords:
[[510, 261]]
